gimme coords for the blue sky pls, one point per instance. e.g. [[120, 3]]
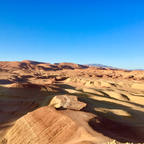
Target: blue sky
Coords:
[[109, 32]]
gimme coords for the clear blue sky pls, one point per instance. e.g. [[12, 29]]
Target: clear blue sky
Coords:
[[108, 32]]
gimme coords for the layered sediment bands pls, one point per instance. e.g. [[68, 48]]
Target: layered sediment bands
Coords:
[[95, 105], [49, 126]]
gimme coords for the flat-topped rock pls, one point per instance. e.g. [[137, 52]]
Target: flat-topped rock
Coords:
[[68, 102]]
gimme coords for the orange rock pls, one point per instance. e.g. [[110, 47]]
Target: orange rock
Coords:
[[49, 126], [68, 102]]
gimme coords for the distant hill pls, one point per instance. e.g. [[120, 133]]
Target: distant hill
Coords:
[[29, 65]]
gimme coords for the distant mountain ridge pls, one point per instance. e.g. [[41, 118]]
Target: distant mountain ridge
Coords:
[[102, 66], [111, 67]]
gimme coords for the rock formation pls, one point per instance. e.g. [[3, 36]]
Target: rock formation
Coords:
[[67, 102], [49, 126], [93, 105]]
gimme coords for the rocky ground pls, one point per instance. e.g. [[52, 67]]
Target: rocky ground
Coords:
[[65, 103]]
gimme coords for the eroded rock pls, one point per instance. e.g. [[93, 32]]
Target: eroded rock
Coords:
[[49, 126], [68, 102]]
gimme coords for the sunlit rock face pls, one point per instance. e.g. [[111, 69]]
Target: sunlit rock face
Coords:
[[67, 102], [93, 105], [49, 126]]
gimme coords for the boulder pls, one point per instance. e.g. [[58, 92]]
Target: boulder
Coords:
[[46, 125], [68, 102]]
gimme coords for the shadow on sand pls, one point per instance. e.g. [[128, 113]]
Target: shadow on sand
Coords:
[[121, 128], [15, 102]]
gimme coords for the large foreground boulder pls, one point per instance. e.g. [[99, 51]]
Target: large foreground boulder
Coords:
[[49, 126], [67, 102]]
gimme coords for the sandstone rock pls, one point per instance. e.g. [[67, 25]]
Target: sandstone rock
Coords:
[[105, 84], [67, 101], [49, 126], [139, 86], [89, 83], [25, 85], [61, 78]]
